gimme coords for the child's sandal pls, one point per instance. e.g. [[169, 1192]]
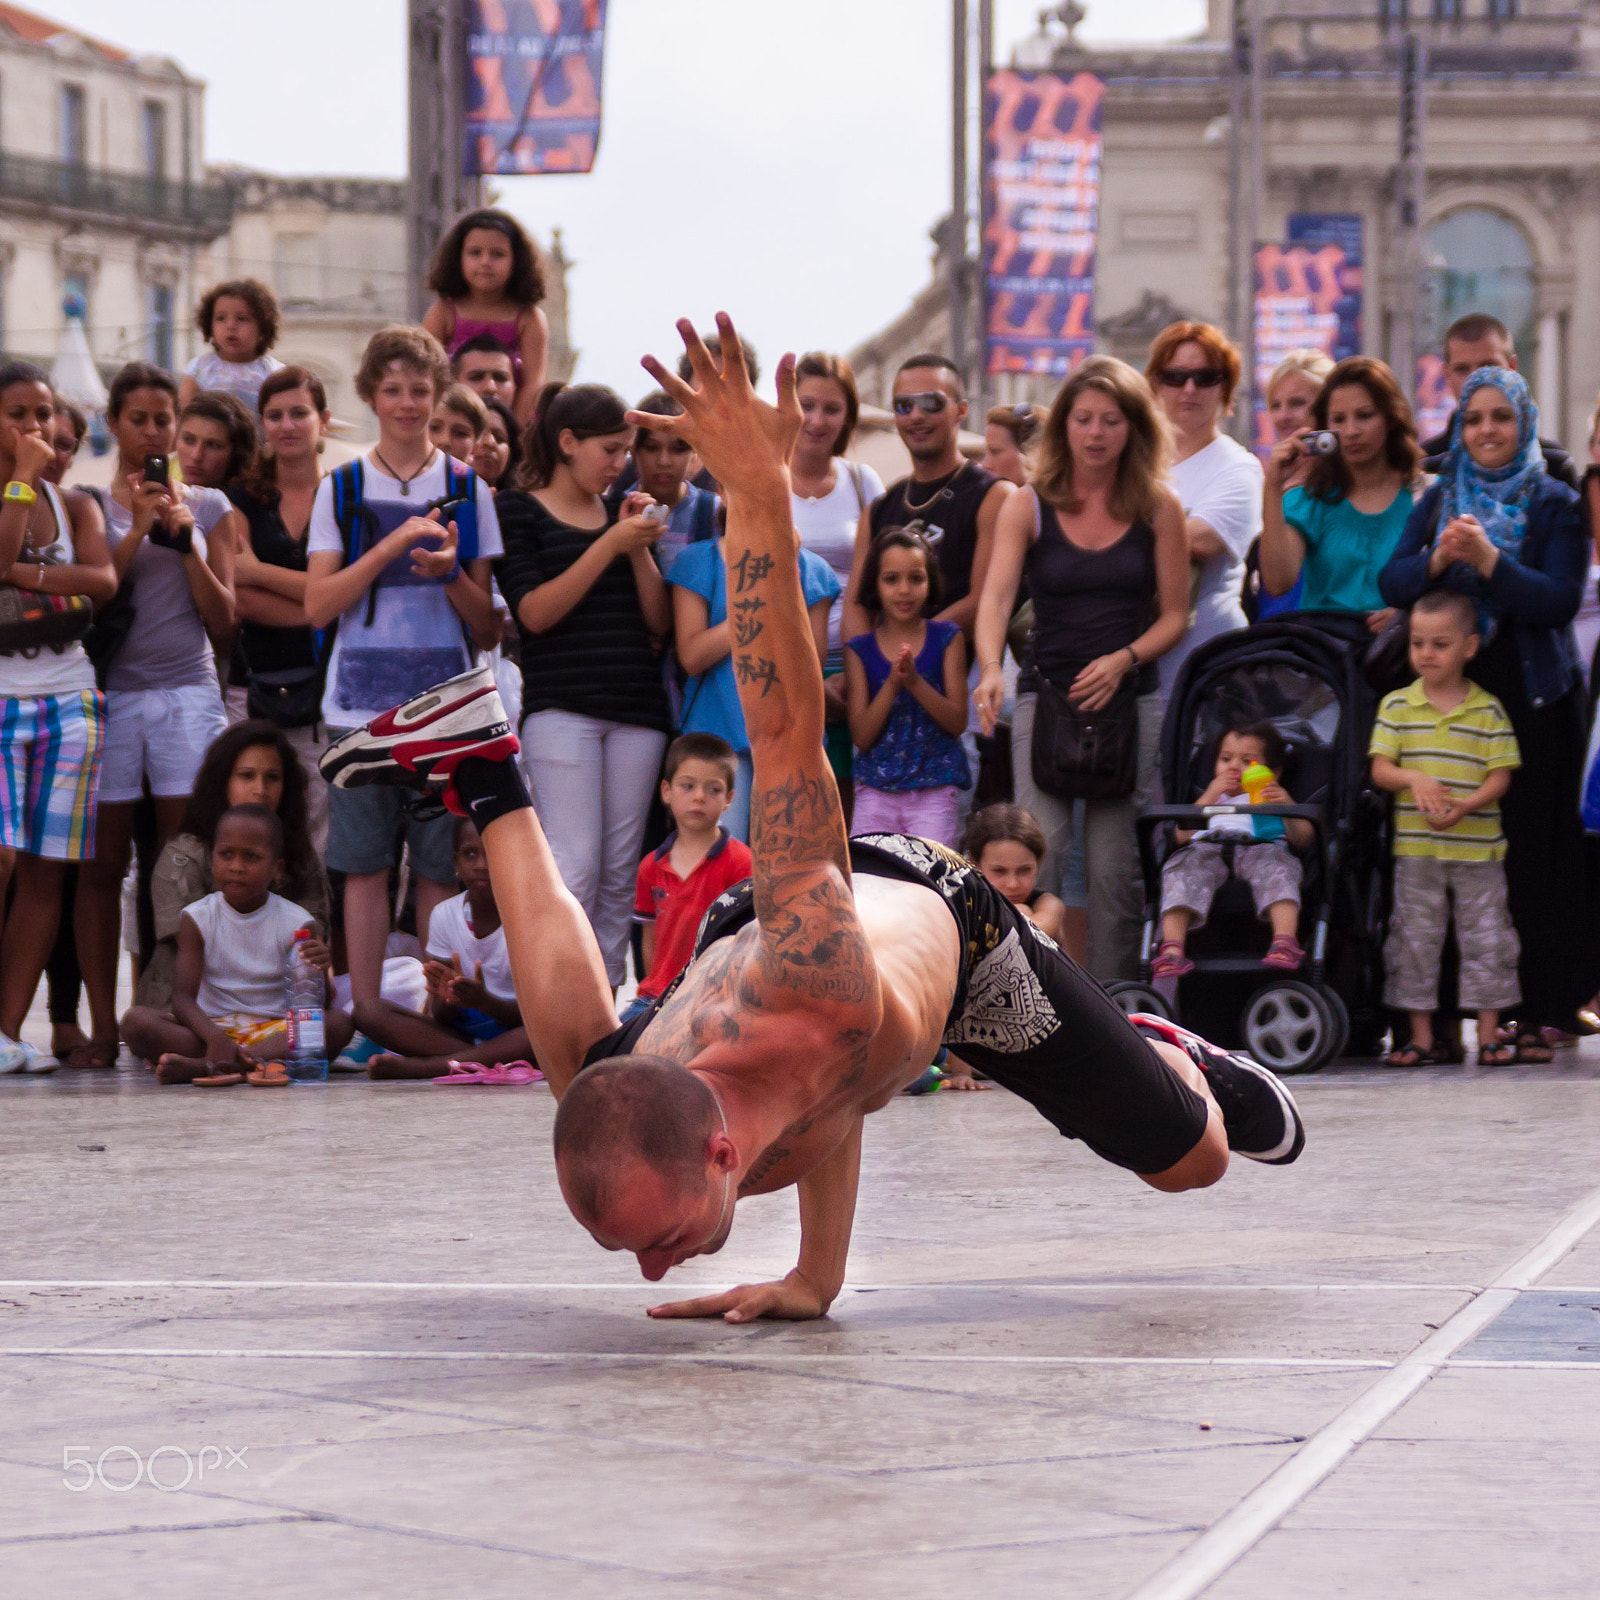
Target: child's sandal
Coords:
[[1532, 1050], [1497, 1055], [1284, 953], [1436, 1054], [269, 1075], [1170, 961]]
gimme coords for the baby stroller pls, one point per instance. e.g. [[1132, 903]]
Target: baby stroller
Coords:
[[1306, 681]]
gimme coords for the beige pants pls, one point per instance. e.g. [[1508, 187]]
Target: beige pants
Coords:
[[1423, 891]]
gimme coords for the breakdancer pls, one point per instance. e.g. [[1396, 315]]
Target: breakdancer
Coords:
[[822, 986]]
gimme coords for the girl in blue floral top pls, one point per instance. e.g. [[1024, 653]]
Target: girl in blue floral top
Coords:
[[908, 697]]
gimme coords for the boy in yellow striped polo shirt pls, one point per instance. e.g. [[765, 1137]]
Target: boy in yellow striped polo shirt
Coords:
[[1445, 748]]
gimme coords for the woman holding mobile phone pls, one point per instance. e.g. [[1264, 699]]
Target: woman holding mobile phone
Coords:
[[172, 550], [592, 610]]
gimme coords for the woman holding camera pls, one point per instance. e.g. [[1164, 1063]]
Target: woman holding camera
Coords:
[[172, 549], [1339, 528]]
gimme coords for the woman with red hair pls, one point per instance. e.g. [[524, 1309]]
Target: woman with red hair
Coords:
[[1194, 371]]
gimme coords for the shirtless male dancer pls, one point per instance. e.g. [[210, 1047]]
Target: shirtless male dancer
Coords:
[[821, 987]]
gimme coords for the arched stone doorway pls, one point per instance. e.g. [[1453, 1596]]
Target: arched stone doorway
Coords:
[[1479, 259]]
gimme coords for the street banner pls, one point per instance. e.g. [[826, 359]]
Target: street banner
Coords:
[[1307, 295], [533, 85], [1041, 170]]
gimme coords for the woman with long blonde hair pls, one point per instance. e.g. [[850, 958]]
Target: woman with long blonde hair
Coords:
[[1101, 539]]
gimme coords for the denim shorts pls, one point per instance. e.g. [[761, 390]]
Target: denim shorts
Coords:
[[364, 825]]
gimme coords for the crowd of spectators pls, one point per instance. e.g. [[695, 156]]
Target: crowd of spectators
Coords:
[[249, 607]]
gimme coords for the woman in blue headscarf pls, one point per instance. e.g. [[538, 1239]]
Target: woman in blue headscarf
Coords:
[[1498, 527]]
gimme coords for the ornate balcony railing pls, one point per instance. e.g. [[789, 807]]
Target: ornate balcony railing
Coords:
[[205, 207]]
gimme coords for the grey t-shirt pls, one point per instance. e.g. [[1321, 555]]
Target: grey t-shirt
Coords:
[[167, 647]]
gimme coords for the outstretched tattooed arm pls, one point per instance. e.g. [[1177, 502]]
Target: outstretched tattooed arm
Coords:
[[812, 944]]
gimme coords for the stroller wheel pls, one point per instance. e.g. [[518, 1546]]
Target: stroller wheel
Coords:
[[1341, 1023], [1132, 997], [1290, 1027]]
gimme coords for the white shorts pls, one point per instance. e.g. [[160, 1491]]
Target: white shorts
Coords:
[[160, 734]]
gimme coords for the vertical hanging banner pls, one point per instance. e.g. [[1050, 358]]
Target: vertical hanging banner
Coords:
[[1041, 171], [1308, 294], [533, 85]]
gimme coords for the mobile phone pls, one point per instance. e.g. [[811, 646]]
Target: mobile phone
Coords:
[[157, 469], [656, 513]]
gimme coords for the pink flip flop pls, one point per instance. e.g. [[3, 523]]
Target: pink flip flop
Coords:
[[513, 1072]]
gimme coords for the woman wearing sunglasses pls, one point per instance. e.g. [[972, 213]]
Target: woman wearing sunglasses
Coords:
[[1194, 370]]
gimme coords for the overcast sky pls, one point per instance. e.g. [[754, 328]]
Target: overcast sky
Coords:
[[782, 160]]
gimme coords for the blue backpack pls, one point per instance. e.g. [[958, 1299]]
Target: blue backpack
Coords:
[[358, 527]]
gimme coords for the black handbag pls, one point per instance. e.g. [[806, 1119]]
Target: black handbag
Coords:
[[1086, 755], [112, 625], [290, 699]]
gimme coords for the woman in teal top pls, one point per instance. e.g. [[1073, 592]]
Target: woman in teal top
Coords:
[[1340, 529]]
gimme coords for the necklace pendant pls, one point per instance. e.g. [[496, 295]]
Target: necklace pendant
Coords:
[[405, 488]]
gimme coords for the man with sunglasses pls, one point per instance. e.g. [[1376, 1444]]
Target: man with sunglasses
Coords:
[[1194, 371], [952, 502]]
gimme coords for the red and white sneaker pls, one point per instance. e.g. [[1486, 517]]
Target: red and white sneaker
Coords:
[[420, 744], [1258, 1114]]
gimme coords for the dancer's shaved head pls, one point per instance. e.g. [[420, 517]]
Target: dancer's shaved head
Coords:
[[626, 1112]]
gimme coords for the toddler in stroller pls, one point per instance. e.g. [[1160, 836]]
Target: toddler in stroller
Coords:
[[1256, 850]]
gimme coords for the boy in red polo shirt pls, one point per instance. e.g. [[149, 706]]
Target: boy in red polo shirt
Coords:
[[678, 882]]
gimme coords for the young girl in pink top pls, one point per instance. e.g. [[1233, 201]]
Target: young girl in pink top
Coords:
[[486, 275]]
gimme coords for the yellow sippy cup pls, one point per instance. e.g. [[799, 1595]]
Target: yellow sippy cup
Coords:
[[1254, 779]]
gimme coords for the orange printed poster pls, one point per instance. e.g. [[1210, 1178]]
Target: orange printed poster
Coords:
[[1042, 207], [533, 85]]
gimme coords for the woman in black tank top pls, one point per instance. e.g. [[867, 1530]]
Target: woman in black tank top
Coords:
[[1101, 541]]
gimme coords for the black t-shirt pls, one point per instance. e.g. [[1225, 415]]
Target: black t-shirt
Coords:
[[261, 647], [1087, 603], [597, 661], [946, 510]]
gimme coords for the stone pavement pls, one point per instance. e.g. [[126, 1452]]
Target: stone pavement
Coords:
[[354, 1333]]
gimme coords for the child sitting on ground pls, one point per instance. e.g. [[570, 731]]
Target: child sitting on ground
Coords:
[[1445, 748], [678, 882], [239, 321], [228, 1008], [472, 1002], [1260, 848], [1006, 844]]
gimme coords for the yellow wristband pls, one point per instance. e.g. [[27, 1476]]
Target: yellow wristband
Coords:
[[20, 492]]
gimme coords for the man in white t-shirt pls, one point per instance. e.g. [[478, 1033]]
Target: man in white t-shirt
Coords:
[[409, 587]]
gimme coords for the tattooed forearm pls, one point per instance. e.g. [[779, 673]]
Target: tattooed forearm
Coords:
[[749, 569], [747, 628], [756, 670]]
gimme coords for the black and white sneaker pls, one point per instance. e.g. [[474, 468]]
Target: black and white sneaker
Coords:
[[1258, 1114], [420, 744]]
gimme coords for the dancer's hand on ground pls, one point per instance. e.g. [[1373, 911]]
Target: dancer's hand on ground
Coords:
[[961, 1081], [792, 1300], [744, 441]]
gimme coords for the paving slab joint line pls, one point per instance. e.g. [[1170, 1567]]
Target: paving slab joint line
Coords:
[[1237, 1532]]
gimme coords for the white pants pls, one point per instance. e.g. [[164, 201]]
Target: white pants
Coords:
[[591, 783]]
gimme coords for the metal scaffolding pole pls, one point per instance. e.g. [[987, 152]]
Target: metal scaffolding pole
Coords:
[[1411, 178], [958, 185], [437, 191]]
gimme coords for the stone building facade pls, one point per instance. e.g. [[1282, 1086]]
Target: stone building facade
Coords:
[[1512, 198]]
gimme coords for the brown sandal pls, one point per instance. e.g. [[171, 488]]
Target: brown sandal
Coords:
[[269, 1075], [95, 1056]]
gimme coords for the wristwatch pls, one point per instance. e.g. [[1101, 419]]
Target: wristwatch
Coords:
[[20, 492]]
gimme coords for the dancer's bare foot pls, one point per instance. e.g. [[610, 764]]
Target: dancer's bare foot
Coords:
[[182, 1069], [391, 1066]]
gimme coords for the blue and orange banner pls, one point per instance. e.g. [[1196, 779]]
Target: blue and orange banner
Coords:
[[533, 85], [1308, 294], [1041, 171]]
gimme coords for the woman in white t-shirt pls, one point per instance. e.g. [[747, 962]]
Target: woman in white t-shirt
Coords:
[[172, 547], [1194, 370], [829, 497], [51, 714]]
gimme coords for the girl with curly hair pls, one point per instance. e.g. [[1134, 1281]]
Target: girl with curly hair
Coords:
[[486, 275], [239, 321]]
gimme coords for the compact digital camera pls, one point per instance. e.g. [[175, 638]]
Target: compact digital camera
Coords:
[[1320, 444]]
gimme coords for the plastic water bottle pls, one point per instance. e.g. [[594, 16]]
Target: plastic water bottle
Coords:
[[304, 990]]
